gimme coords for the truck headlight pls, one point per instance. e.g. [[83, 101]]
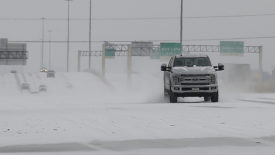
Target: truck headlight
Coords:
[[212, 78], [175, 79]]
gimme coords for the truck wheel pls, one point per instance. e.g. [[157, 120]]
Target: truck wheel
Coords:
[[207, 98], [215, 97], [173, 98]]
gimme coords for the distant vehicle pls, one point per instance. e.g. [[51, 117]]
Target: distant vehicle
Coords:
[[13, 71], [191, 76], [43, 88], [25, 86], [50, 74], [43, 69]]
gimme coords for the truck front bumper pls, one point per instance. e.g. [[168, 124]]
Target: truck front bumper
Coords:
[[194, 90]]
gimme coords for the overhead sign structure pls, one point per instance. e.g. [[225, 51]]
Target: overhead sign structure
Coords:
[[140, 48], [13, 53], [232, 48], [170, 49]]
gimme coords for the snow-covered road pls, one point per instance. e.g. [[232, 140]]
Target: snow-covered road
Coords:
[[73, 116]]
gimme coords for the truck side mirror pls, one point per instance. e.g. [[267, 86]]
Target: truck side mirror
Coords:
[[220, 67], [163, 67]]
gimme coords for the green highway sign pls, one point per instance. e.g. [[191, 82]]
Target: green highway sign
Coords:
[[170, 49], [110, 53], [232, 48]]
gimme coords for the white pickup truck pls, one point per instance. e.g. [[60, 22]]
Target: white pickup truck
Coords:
[[191, 76]]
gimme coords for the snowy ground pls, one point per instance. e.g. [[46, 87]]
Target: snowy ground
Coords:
[[83, 114]]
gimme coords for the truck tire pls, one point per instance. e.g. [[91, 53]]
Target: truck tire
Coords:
[[207, 98], [215, 97], [173, 98]]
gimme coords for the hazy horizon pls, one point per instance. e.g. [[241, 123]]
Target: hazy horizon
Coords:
[[130, 30]]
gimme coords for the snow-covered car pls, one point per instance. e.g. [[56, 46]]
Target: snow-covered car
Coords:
[[42, 87], [191, 76], [25, 86], [13, 71], [50, 74]]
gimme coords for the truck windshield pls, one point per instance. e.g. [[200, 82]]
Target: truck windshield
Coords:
[[192, 61]]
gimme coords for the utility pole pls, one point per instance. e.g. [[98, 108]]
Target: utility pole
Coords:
[[50, 49], [68, 36], [90, 35], [42, 43], [181, 21]]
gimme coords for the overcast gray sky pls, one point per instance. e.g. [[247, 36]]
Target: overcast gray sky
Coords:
[[141, 29]]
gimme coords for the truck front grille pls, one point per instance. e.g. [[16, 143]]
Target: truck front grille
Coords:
[[197, 79]]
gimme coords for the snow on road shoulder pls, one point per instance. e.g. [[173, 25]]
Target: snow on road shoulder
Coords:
[[74, 110]]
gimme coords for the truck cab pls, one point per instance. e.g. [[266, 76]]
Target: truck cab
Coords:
[[191, 76]]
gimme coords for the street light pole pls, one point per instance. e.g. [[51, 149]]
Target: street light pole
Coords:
[[68, 36], [181, 21], [42, 43], [90, 34], [50, 49]]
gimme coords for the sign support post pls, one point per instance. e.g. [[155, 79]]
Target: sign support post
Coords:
[[261, 58], [129, 64], [78, 61], [103, 59]]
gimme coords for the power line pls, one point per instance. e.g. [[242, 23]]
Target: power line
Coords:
[[120, 41], [234, 38], [137, 18], [94, 19], [232, 16]]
